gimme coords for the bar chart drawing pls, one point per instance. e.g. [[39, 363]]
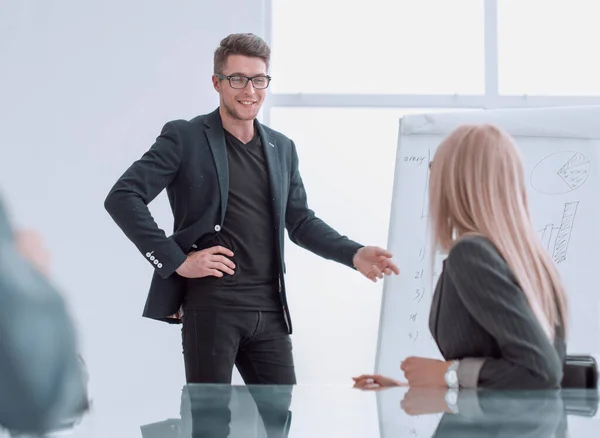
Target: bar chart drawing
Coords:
[[556, 238], [560, 172]]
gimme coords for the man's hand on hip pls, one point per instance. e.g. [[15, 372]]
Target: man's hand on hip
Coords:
[[208, 262], [374, 262]]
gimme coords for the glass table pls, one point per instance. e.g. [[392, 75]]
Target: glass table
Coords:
[[217, 411]]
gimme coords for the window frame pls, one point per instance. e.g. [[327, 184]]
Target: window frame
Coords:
[[491, 99]]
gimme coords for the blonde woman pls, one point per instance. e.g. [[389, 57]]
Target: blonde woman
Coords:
[[499, 310]]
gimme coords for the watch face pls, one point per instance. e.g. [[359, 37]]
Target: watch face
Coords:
[[451, 377]]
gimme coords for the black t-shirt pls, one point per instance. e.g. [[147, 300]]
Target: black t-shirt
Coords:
[[248, 230]]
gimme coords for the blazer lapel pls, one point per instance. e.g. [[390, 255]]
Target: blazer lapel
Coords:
[[216, 141], [274, 169]]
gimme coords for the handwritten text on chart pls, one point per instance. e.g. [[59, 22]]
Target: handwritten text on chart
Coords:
[[415, 159], [419, 294]]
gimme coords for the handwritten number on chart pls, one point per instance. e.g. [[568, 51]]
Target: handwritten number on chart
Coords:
[[419, 292]]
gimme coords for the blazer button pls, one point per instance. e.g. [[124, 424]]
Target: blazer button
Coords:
[[217, 228]]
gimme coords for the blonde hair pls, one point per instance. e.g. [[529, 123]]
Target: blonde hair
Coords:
[[477, 186]]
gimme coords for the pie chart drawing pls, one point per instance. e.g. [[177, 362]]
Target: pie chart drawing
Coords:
[[561, 172]]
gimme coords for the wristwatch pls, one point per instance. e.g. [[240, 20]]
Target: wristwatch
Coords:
[[451, 375]]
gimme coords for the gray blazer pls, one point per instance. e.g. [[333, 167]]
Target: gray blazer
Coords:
[[41, 379], [480, 316]]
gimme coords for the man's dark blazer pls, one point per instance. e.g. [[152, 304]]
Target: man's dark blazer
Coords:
[[189, 159]]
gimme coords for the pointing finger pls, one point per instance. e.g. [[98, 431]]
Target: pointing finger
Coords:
[[393, 267]]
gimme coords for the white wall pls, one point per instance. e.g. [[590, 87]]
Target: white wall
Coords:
[[85, 88]]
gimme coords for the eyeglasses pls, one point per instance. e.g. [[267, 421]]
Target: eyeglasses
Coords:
[[239, 82]]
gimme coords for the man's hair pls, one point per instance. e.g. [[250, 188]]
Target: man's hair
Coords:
[[246, 44]]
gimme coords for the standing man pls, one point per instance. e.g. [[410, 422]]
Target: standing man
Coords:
[[234, 187]]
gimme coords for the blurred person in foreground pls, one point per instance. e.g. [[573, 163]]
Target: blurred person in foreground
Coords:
[[42, 380]]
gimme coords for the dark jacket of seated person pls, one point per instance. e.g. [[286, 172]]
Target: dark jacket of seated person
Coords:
[[481, 316]]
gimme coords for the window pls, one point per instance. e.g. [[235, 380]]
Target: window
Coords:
[[548, 47], [378, 47]]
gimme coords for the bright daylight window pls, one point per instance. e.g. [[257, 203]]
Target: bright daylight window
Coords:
[[377, 47], [549, 47]]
